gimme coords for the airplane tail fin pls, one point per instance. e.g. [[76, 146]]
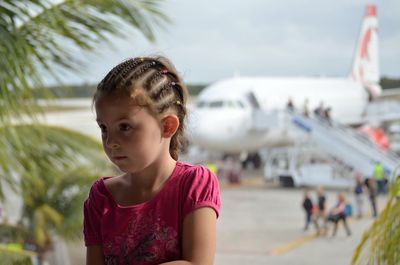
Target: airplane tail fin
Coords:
[[366, 60]]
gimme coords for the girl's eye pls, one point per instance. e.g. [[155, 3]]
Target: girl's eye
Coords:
[[124, 127], [102, 128]]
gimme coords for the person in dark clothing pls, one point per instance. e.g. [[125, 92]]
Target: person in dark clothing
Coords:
[[358, 194], [372, 192], [308, 208], [327, 115], [319, 111], [289, 105], [322, 211]]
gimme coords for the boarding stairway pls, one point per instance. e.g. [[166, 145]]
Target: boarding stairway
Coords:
[[344, 143]]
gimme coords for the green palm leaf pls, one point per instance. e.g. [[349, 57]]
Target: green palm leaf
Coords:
[[34, 34], [57, 168], [381, 243], [14, 258]]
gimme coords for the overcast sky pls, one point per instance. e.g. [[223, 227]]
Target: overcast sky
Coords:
[[210, 39]]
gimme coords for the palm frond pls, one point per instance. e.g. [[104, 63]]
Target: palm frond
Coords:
[[381, 243], [56, 171], [39, 153], [14, 257], [32, 40]]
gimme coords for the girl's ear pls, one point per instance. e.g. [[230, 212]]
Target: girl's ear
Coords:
[[170, 125]]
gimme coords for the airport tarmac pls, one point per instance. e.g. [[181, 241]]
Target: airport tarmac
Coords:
[[263, 224]]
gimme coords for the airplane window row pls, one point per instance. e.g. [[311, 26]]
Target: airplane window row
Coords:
[[220, 104]]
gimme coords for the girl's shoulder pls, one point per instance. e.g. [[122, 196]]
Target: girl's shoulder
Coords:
[[98, 196], [196, 177], [193, 171], [98, 189], [199, 188]]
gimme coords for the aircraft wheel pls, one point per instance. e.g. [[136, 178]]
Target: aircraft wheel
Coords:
[[286, 181]]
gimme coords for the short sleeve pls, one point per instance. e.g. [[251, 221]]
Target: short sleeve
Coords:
[[92, 212], [201, 189]]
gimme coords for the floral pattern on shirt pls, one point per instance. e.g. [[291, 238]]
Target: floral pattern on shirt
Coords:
[[146, 240]]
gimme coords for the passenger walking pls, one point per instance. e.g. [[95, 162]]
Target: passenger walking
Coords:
[[306, 111], [358, 195], [308, 208], [321, 213], [319, 111], [338, 213], [233, 170], [371, 187], [289, 105], [327, 115]]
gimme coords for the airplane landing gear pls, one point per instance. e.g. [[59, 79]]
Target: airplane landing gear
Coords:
[[254, 159]]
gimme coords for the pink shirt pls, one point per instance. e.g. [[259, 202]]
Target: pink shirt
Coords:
[[149, 232]]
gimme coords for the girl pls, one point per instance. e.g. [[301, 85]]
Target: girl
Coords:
[[160, 210]]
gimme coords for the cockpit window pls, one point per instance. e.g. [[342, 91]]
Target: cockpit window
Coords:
[[216, 104], [201, 104]]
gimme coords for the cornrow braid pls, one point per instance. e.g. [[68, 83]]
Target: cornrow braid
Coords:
[[172, 76], [154, 82], [160, 92], [179, 91], [136, 73], [118, 73], [155, 78], [129, 67]]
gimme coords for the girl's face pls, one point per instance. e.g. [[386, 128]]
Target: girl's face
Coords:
[[131, 136]]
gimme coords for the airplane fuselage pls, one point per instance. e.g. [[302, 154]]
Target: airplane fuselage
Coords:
[[222, 116]]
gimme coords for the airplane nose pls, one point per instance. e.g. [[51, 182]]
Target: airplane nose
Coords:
[[208, 127]]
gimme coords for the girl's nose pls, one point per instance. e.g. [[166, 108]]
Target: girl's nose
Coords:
[[114, 145], [110, 143]]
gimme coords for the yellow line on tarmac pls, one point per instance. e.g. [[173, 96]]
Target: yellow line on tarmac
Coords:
[[300, 241], [291, 245]]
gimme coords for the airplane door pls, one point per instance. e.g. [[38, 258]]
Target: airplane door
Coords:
[[251, 97]]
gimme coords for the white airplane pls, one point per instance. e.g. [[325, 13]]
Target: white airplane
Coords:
[[222, 116]]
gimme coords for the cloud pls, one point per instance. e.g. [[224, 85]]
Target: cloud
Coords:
[[210, 40]]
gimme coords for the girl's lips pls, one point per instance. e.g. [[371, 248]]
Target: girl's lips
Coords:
[[119, 157]]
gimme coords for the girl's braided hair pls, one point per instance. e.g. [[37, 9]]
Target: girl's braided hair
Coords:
[[150, 82]]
